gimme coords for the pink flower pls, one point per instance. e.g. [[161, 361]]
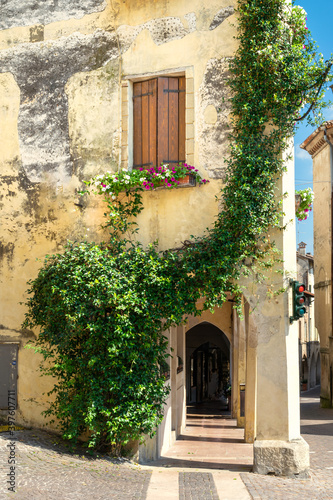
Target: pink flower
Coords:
[[104, 185]]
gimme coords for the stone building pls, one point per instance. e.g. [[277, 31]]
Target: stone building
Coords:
[[320, 146], [71, 76], [309, 348]]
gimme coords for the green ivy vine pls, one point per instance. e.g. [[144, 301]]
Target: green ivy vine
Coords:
[[102, 310]]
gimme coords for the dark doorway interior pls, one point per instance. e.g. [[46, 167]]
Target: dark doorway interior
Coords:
[[207, 366]]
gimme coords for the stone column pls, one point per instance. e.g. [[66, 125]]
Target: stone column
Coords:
[[234, 367], [279, 448], [251, 377], [173, 382], [181, 378], [241, 370]]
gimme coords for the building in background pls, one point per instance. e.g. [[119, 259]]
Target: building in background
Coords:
[[320, 146], [309, 347]]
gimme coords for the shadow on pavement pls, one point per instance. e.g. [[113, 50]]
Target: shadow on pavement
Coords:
[[200, 464]]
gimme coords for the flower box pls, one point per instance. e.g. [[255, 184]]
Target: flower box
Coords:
[[188, 180]]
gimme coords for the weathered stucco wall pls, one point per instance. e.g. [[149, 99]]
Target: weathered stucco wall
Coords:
[[61, 69], [15, 13]]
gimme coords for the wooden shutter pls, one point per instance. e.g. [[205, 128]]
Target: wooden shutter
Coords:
[[145, 123], [159, 121], [171, 120]]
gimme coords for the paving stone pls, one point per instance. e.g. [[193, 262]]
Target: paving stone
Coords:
[[197, 486]]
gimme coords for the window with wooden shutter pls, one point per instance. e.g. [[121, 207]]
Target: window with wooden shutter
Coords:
[[159, 121]]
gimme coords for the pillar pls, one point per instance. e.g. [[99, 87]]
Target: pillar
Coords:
[[251, 377], [234, 367], [279, 448]]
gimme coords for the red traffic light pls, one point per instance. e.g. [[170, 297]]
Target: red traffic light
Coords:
[[298, 303]]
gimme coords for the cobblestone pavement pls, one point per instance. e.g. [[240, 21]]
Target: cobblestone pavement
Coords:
[[193, 485], [45, 470], [317, 430]]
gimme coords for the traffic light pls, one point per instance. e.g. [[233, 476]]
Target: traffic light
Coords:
[[299, 308]]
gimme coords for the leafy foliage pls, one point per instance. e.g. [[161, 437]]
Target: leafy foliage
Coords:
[[101, 327], [102, 310]]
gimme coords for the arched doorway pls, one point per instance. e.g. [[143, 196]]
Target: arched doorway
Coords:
[[207, 366]]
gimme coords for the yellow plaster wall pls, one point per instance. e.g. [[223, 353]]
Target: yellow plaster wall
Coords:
[[9, 108]]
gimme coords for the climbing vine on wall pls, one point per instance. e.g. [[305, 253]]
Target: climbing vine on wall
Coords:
[[102, 309]]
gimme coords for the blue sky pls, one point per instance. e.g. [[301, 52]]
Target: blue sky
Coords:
[[320, 20]]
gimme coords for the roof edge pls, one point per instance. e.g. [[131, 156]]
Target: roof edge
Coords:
[[316, 141]]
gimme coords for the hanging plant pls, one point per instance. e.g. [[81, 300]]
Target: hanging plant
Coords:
[[113, 183], [304, 202], [123, 190]]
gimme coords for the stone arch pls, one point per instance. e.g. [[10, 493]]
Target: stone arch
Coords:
[[220, 318]]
